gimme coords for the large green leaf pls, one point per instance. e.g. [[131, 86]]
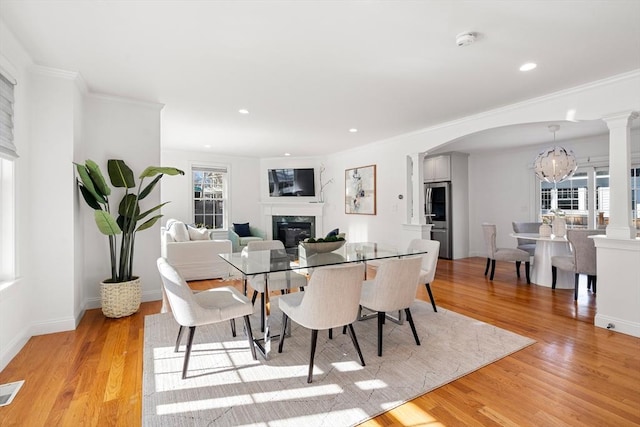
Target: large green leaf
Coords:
[[98, 178], [144, 214], [106, 224], [128, 206], [121, 175], [83, 173], [144, 193], [149, 223], [155, 170], [89, 197]]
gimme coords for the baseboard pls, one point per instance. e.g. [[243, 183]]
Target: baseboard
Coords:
[[155, 295], [53, 326], [8, 352], [618, 325]]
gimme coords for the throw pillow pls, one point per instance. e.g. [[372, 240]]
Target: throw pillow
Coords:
[[333, 232], [198, 233], [178, 230], [242, 230]]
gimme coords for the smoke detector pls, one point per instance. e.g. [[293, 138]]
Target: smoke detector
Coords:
[[465, 39]]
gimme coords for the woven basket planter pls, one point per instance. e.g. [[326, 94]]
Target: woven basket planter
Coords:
[[120, 299]]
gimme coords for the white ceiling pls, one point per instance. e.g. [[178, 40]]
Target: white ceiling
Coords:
[[308, 71]]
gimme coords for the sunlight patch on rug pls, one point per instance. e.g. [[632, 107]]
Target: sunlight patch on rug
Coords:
[[225, 386]]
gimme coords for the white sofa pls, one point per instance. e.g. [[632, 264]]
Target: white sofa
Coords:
[[196, 259]]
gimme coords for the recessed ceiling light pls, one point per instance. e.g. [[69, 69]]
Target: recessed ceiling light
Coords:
[[243, 111], [287, 154], [353, 130], [207, 146], [528, 66]]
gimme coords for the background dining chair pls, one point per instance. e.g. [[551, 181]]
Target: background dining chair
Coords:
[[330, 301], [393, 288], [503, 254], [429, 263], [191, 309], [277, 281], [581, 261], [526, 227]]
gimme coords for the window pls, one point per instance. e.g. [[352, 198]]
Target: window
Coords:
[[579, 203], [210, 196], [7, 181]]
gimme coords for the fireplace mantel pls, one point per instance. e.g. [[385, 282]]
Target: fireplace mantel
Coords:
[[292, 208]]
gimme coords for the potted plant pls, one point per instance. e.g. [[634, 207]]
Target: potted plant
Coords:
[[120, 294]]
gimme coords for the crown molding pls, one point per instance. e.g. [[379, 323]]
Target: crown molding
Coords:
[[113, 98]]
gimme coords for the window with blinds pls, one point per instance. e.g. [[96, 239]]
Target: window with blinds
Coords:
[[210, 196], [7, 148]]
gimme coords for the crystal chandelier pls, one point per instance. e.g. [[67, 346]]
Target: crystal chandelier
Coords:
[[555, 164]]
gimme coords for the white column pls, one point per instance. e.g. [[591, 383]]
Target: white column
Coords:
[[620, 225], [417, 188]]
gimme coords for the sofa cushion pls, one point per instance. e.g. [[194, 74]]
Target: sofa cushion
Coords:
[[177, 230], [242, 230], [198, 233], [244, 241]]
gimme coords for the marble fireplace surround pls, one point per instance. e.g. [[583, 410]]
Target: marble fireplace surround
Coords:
[[293, 208]]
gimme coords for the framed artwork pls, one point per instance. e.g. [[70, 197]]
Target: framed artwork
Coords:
[[360, 190]]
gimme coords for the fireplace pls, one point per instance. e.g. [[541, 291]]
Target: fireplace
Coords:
[[290, 230]]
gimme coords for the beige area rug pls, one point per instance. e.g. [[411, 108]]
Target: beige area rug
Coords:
[[227, 387]]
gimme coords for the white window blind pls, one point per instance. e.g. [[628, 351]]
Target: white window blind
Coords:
[[7, 148]]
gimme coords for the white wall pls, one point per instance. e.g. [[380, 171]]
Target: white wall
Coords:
[[244, 187], [117, 128]]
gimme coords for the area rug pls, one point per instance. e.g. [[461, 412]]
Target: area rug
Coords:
[[226, 387]]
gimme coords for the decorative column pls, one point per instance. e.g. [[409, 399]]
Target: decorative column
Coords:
[[620, 224], [416, 226]]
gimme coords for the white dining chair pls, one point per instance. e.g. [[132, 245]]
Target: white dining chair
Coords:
[[503, 254], [191, 309], [277, 281], [393, 289], [330, 301], [581, 261]]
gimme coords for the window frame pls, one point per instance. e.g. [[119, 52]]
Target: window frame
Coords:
[[226, 200]]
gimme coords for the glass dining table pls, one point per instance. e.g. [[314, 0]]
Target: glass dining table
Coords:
[[302, 261]]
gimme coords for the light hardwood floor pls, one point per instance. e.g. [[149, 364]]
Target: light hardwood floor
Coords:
[[575, 374]]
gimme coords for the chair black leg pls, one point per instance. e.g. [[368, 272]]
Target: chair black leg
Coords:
[[285, 319], [380, 323], [262, 310], [187, 354], [314, 340], [493, 268], [344, 329], [253, 297], [233, 327], [180, 332], [330, 333], [486, 270], [575, 291], [433, 302], [593, 283], [518, 268], [252, 346], [352, 334], [554, 276], [527, 268], [413, 326]]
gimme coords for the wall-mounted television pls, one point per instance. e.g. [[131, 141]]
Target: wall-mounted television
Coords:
[[291, 182]]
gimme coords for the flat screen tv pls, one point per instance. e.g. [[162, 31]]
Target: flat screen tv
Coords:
[[291, 182]]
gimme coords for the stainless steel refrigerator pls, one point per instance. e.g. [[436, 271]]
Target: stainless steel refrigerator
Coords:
[[437, 209]]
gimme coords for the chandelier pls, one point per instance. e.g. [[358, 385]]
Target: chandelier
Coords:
[[555, 164]]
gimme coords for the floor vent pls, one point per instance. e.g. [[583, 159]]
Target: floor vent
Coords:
[[9, 391]]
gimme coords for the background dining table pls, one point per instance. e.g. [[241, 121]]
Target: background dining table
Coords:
[[547, 247]]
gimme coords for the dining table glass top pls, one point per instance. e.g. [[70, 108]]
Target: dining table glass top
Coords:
[[271, 261]]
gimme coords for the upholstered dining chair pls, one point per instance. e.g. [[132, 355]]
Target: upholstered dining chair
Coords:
[[526, 227], [277, 281], [581, 261], [429, 263], [330, 301], [393, 288], [503, 254], [203, 308]]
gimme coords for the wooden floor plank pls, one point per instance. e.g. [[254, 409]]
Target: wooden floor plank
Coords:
[[574, 375]]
